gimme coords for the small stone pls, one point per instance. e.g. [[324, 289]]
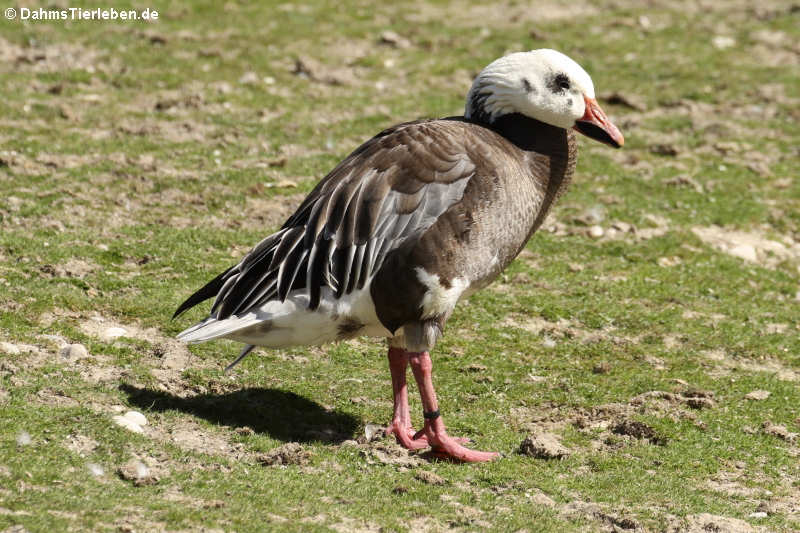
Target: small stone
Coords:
[[24, 438], [393, 39], [136, 417], [543, 446], [127, 424], [11, 349], [757, 395], [596, 232], [757, 514], [431, 478], [113, 333], [74, 352]]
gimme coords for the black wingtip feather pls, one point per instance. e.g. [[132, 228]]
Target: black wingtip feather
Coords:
[[208, 290]]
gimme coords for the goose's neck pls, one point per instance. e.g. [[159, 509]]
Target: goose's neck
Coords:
[[537, 139], [532, 135]]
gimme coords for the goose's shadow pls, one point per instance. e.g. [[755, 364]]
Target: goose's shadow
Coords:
[[282, 415]]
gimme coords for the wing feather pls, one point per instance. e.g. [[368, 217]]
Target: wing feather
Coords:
[[387, 192]]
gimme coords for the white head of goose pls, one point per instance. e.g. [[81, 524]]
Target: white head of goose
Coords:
[[418, 217]]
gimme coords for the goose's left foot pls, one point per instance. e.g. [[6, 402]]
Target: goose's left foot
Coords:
[[434, 432]]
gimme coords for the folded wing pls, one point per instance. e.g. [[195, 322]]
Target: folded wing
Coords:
[[387, 192]]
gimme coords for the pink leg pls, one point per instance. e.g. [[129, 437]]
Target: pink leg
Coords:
[[442, 443], [401, 421]]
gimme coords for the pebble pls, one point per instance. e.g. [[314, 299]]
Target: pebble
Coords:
[[543, 446], [24, 438], [393, 39], [596, 232], [757, 514], [11, 349], [128, 423], [136, 417], [73, 352], [112, 333]]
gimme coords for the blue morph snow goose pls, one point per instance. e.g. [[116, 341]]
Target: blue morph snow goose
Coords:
[[421, 215]]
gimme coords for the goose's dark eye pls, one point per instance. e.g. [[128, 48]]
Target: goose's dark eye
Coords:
[[562, 82]]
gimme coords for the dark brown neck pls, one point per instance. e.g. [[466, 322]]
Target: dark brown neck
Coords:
[[531, 135]]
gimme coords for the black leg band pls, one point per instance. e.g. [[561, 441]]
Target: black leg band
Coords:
[[431, 415]]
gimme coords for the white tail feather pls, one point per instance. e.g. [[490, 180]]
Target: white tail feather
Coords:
[[211, 328]]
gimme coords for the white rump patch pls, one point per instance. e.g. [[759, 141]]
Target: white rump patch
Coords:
[[279, 324], [439, 300]]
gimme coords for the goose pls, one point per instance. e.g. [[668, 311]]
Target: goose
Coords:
[[417, 218]]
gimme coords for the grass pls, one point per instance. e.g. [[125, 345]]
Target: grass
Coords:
[[138, 160]]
